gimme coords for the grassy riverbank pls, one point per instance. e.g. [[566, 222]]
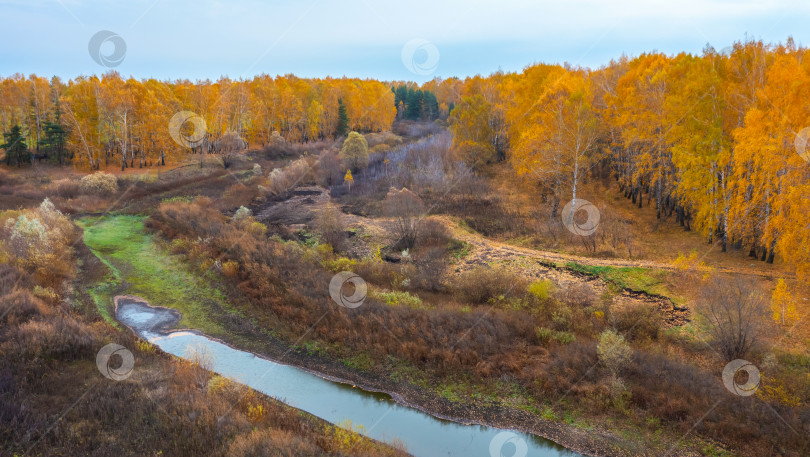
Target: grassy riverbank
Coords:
[[142, 267]]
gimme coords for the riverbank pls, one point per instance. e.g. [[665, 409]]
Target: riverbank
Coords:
[[125, 241], [153, 323]]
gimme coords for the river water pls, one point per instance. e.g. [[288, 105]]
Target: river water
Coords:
[[382, 418]]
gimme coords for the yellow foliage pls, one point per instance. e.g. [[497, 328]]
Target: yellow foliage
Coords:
[[230, 268], [783, 306], [347, 435], [145, 346], [772, 390], [255, 413]]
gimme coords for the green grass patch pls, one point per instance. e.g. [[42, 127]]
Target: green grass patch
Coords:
[[458, 249], [359, 362], [400, 298], [631, 278], [142, 267], [546, 335]]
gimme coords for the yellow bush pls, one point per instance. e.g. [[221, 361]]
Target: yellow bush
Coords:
[[379, 148], [256, 228], [542, 289], [772, 390], [219, 384], [145, 346], [339, 264], [230, 268], [255, 413], [347, 435]]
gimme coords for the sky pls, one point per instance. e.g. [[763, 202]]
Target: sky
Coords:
[[413, 40]]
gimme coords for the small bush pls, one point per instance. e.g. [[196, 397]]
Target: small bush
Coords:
[[65, 188], [99, 183], [613, 351], [329, 225], [407, 209], [379, 148], [432, 233], [271, 443], [389, 139], [40, 241], [329, 170], [20, 306], [59, 337], [354, 153], [242, 214], [281, 180], [396, 298], [230, 269], [483, 283], [546, 335], [430, 268], [640, 322], [542, 289]]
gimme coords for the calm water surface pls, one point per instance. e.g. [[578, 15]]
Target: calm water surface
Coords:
[[383, 419]]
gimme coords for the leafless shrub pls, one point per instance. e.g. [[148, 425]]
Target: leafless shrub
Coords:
[[432, 233], [483, 283], [58, 337], [19, 306], [431, 268], [407, 208], [229, 144], [735, 310], [640, 322], [329, 225], [9, 277], [614, 231], [329, 170], [276, 148], [65, 188]]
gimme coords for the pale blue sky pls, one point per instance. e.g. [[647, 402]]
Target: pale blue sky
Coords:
[[170, 39]]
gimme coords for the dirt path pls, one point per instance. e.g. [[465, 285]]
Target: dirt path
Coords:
[[534, 264], [488, 248], [537, 265], [302, 206]]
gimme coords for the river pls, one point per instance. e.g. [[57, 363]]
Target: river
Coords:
[[382, 418]]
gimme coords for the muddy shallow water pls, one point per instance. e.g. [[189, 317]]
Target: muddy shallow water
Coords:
[[382, 418]]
